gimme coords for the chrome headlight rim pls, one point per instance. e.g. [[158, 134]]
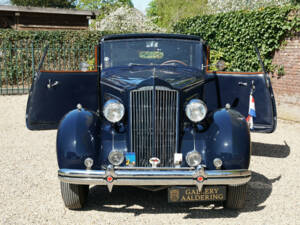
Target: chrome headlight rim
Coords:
[[189, 156], [118, 153], [194, 103], [108, 106]]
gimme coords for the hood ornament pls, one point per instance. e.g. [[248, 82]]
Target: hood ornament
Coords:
[[154, 161]]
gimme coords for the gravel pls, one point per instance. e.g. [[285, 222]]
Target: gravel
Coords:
[[30, 192]]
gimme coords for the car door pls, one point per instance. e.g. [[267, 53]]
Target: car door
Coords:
[[53, 94], [234, 88]]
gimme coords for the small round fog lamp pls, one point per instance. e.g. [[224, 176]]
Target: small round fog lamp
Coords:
[[116, 157], [193, 158], [218, 163], [88, 162]]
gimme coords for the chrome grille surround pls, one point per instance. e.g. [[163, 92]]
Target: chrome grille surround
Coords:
[[154, 124]]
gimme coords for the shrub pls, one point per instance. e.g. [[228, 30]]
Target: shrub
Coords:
[[234, 34], [129, 20], [21, 51], [222, 6]]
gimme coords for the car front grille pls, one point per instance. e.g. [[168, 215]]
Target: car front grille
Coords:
[[154, 124]]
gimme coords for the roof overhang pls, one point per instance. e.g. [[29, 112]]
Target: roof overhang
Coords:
[[25, 9]]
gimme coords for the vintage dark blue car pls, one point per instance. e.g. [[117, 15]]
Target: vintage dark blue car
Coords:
[[153, 116]]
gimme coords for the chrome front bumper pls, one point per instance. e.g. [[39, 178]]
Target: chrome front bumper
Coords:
[[141, 176]]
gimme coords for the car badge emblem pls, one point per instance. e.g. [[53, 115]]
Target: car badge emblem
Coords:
[[174, 195], [130, 159], [154, 161]]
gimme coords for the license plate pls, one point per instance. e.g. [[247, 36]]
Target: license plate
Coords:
[[191, 194]]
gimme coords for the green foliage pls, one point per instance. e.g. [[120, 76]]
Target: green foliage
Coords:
[[165, 13], [152, 11], [46, 3], [104, 6], [223, 6], [280, 71], [215, 56], [79, 38], [21, 51], [100, 4], [235, 33]]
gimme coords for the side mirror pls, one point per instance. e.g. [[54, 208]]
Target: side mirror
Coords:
[[221, 65]]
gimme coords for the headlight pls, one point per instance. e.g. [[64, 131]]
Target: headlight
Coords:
[[193, 158], [113, 110], [196, 110], [116, 157]]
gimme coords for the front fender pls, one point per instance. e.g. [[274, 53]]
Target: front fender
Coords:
[[228, 138], [77, 139]]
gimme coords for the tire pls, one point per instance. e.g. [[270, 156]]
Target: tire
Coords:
[[74, 195], [236, 197]]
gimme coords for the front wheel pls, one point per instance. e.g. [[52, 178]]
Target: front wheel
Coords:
[[74, 195], [236, 197]]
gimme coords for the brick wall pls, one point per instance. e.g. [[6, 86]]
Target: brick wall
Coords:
[[287, 86]]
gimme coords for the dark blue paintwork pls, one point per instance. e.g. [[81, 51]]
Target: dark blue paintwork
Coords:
[[77, 138], [46, 106], [83, 133], [228, 88], [108, 132], [227, 137], [151, 35]]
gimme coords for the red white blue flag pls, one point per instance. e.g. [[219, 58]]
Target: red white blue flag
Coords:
[[251, 112]]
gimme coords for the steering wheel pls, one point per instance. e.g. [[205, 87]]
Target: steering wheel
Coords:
[[174, 61]]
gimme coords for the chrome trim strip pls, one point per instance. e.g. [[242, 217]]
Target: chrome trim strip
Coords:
[[155, 176], [150, 88], [151, 182], [151, 168], [177, 122], [114, 87], [190, 87]]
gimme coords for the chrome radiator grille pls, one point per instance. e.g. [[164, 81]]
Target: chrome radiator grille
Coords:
[[154, 124]]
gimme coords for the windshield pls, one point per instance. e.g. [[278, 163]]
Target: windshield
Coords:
[[152, 51]]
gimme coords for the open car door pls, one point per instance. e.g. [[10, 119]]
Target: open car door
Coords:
[[234, 88], [53, 94]]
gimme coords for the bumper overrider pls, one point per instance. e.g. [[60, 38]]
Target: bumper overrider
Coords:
[[144, 176]]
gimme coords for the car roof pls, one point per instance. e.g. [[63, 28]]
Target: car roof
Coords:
[[151, 35]]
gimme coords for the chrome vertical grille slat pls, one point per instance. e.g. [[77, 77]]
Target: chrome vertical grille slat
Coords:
[[168, 111], [165, 129]]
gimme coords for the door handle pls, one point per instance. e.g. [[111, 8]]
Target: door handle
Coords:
[[245, 84], [51, 85]]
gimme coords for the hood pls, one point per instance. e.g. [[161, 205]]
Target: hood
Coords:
[[134, 76]]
